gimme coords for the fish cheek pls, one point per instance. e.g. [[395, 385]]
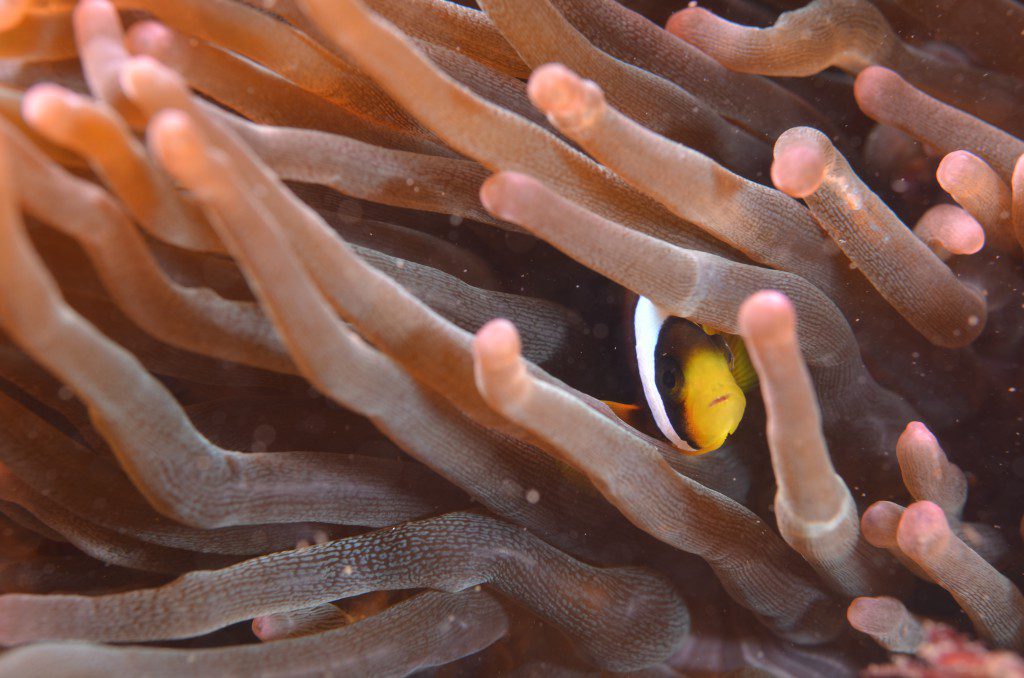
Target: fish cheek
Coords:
[[670, 380]]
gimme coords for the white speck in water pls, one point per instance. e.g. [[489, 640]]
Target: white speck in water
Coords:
[[532, 496], [347, 569]]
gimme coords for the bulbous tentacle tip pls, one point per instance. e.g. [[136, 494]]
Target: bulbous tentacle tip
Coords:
[[915, 441], [497, 342], [271, 627], [690, 21], [259, 627], [1017, 186], [568, 100], [873, 85], [93, 17], [1018, 170], [46, 106], [83, 6], [174, 138], [503, 193], [799, 168], [950, 229], [553, 88], [767, 315], [956, 167], [499, 370], [879, 523], [916, 433], [873, 615], [492, 194], [1017, 199], [12, 13], [923, 530], [141, 74], [149, 38]]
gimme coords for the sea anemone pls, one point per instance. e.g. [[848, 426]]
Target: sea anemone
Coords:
[[310, 309]]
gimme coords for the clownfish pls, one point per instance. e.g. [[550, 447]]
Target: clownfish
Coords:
[[694, 380]]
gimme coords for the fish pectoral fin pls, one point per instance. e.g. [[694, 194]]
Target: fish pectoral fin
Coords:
[[631, 414], [636, 416], [742, 369]]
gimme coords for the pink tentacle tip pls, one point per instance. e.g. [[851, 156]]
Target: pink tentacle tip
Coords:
[[12, 13], [553, 88], [84, 5], [873, 615], [96, 16], [148, 37], [767, 315], [269, 627], [956, 167], [503, 193], [173, 137], [872, 87], [565, 97], [498, 365], [952, 228], [690, 22], [916, 433], [135, 72], [45, 105], [923, 530], [144, 76], [497, 343], [879, 523], [798, 169]]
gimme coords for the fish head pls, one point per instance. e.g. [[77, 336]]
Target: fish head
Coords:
[[688, 381]]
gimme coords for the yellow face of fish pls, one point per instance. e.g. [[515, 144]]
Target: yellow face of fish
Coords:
[[694, 374], [712, 402]]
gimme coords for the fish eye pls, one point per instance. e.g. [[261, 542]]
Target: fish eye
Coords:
[[668, 375]]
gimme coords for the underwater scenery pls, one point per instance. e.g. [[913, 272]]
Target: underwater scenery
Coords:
[[511, 338]]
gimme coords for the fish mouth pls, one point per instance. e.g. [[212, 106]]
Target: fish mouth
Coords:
[[719, 399]]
